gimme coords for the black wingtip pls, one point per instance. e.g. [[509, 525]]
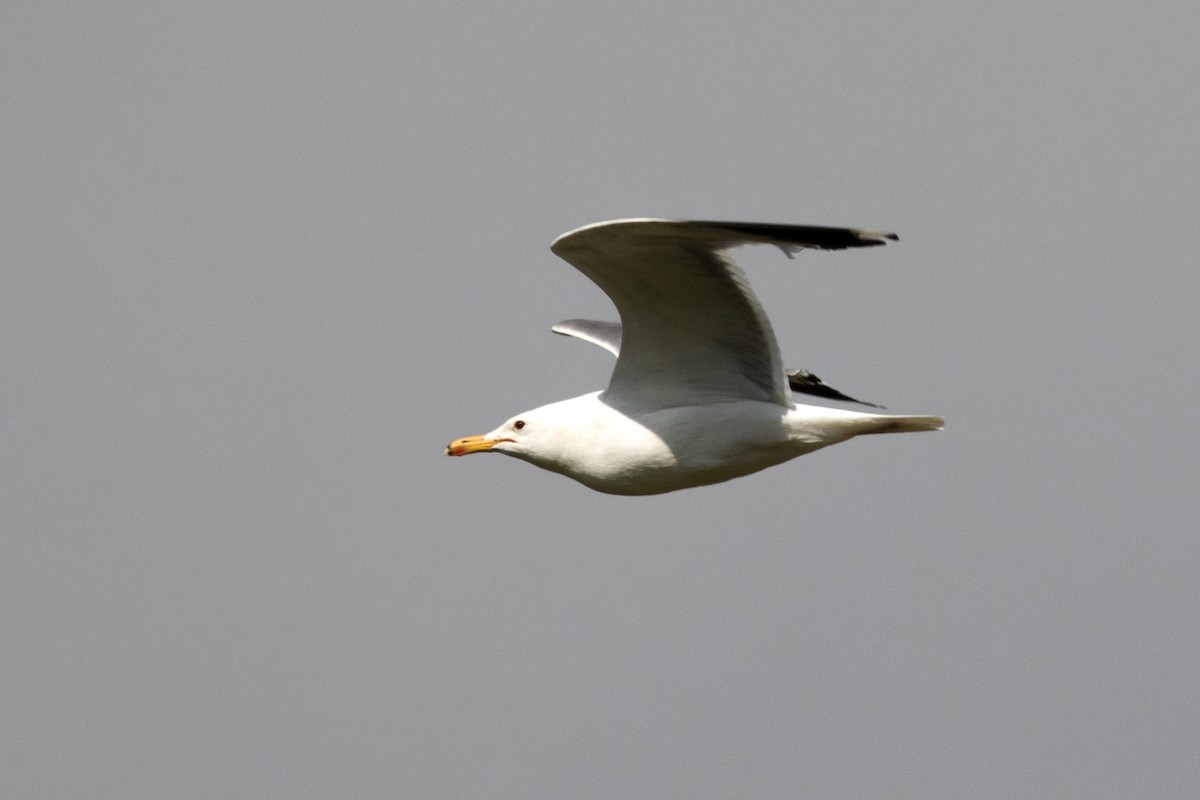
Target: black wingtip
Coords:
[[805, 382], [800, 236]]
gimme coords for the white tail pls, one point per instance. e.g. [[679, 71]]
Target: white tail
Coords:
[[836, 424]]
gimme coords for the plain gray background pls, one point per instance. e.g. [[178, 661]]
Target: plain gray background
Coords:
[[260, 262]]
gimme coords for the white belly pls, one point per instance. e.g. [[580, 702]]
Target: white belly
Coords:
[[679, 448]]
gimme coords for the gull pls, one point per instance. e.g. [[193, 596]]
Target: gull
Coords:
[[699, 394]]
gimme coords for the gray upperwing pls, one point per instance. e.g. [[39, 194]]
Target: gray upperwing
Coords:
[[605, 334], [608, 336]]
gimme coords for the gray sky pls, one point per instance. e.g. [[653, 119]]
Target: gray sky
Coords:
[[262, 261]]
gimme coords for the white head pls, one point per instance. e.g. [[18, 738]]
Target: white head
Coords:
[[544, 436]]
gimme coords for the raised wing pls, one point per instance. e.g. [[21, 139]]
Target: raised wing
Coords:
[[692, 329], [608, 336]]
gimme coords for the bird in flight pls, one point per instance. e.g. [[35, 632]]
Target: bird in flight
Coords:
[[699, 394]]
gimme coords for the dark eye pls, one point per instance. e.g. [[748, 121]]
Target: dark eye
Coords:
[[519, 424]]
